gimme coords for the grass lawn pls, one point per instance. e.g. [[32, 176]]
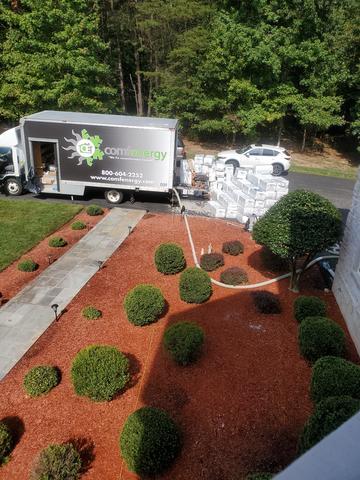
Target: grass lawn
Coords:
[[350, 174], [24, 223]]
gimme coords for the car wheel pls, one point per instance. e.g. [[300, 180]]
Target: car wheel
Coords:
[[114, 196], [278, 169], [13, 187], [234, 163]]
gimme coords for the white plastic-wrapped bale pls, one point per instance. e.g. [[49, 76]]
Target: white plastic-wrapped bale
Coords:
[[199, 158], [216, 210], [240, 173], [219, 167], [209, 160], [263, 169], [270, 195], [266, 183], [257, 194], [269, 202], [225, 200], [245, 201], [253, 178]]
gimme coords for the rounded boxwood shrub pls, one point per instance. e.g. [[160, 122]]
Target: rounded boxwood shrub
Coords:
[[320, 336], [78, 225], [273, 262], [6, 441], [234, 276], [94, 210], [266, 302], [58, 462], [195, 285], [308, 306], [57, 242], [328, 416], [28, 266], [183, 341], [99, 372], [234, 247], [211, 261], [40, 380], [91, 313], [149, 441], [144, 304], [334, 376], [169, 258]]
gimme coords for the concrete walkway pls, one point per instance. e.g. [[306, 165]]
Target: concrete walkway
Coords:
[[26, 316]]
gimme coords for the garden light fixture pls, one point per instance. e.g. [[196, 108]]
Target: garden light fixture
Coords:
[[55, 307]]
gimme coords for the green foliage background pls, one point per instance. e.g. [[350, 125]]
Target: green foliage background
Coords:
[[240, 69]]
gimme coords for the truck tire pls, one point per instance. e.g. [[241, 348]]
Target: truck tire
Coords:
[[13, 187], [114, 196]]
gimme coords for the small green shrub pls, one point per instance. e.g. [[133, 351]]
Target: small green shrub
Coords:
[[40, 380], [144, 304], [334, 376], [58, 462], [91, 313], [328, 416], [169, 258], [266, 302], [273, 262], [78, 225], [211, 261], [149, 441], [28, 266], [234, 276], [320, 336], [6, 441], [57, 242], [234, 247], [307, 306], [99, 372], [94, 210], [183, 341], [195, 285]]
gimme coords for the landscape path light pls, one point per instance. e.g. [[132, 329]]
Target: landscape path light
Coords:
[[55, 307]]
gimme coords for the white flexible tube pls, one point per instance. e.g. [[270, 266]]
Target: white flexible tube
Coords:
[[240, 287]]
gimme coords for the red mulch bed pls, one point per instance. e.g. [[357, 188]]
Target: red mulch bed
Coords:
[[241, 407], [13, 280]]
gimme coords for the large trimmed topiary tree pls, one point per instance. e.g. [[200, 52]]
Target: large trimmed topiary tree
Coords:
[[299, 225], [149, 441], [195, 285], [169, 258], [144, 304]]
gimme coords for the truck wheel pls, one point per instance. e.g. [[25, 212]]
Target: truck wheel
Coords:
[[114, 196], [13, 187]]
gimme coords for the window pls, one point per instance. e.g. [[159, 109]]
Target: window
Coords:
[[268, 153], [256, 151], [5, 154], [243, 149]]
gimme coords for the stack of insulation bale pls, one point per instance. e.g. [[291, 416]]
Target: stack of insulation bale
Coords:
[[248, 192]]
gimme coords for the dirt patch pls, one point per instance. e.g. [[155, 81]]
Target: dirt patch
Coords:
[[241, 407], [13, 280]]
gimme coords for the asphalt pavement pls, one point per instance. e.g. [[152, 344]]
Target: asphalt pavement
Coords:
[[337, 190]]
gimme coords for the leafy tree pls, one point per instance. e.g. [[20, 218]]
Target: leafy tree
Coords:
[[53, 57], [298, 226]]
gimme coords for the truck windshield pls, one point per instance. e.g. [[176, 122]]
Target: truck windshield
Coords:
[[5, 154]]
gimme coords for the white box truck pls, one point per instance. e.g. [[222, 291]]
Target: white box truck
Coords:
[[66, 152]]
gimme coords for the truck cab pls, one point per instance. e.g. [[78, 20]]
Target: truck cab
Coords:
[[11, 169]]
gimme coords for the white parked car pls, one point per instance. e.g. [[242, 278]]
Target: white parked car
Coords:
[[257, 154]]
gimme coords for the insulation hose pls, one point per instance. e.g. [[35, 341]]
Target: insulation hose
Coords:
[[238, 287]]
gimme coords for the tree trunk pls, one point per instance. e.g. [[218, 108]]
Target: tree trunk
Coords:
[[121, 81], [294, 278], [149, 97], [303, 141], [140, 103], [280, 129], [135, 93]]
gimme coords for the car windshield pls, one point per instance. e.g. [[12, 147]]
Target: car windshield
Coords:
[[5, 154], [180, 143], [243, 149]]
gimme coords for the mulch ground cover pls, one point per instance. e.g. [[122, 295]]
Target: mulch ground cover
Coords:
[[241, 406], [12, 280]]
